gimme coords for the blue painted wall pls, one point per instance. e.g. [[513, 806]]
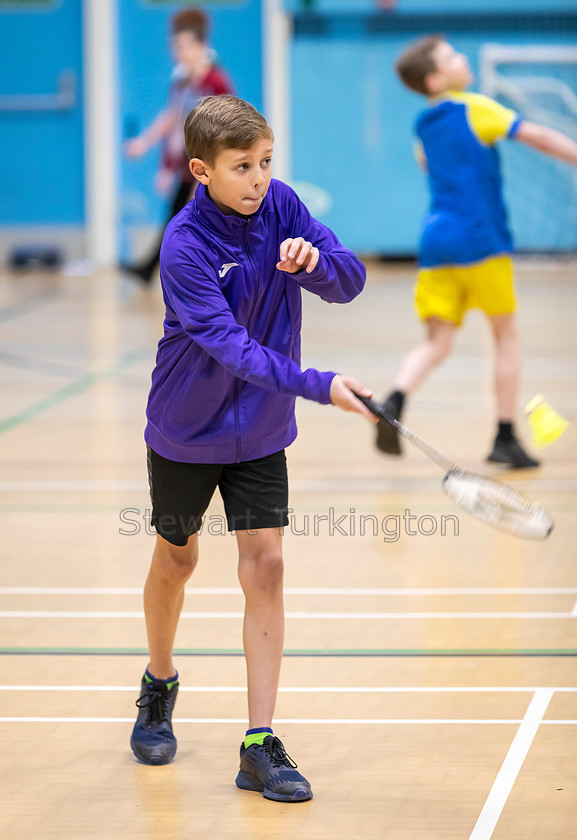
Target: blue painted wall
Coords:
[[425, 6], [41, 154], [351, 118]]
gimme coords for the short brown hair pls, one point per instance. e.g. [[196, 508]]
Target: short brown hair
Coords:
[[415, 64], [223, 122], [191, 20]]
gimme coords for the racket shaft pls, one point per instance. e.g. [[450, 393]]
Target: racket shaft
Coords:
[[403, 430]]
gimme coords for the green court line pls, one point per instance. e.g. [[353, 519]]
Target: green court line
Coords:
[[8, 313], [304, 652], [73, 389]]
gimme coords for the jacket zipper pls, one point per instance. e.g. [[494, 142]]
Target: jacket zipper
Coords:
[[252, 266], [236, 396]]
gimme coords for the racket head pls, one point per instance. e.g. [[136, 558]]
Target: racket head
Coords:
[[498, 504]]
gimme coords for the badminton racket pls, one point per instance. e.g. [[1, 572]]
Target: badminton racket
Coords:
[[486, 499]]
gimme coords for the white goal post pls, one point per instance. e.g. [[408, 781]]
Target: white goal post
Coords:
[[523, 87], [540, 83]]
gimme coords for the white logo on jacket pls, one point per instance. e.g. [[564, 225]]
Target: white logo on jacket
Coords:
[[226, 267]]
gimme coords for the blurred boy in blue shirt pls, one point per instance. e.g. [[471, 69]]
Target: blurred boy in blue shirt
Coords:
[[465, 246]]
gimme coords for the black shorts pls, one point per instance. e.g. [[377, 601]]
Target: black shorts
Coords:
[[255, 494]]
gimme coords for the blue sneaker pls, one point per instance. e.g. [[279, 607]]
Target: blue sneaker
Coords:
[[267, 768], [152, 740]]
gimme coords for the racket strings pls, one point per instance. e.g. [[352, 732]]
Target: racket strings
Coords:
[[497, 504]]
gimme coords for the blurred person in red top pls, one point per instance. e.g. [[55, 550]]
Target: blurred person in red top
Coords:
[[195, 76]]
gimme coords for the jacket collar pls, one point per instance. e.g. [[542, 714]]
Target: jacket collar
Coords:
[[228, 227]]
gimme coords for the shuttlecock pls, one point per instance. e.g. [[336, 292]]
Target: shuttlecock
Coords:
[[545, 423]]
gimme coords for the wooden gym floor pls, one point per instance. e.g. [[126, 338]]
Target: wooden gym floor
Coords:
[[429, 690]]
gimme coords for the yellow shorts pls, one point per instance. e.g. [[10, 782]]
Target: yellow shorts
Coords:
[[447, 291]]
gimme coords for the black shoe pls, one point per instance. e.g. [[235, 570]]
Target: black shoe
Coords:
[[143, 273], [511, 452], [387, 436], [152, 740], [267, 768]]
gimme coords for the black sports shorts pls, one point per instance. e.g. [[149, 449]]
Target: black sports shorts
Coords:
[[255, 494]]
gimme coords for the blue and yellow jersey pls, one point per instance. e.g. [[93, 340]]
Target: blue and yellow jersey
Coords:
[[457, 137]]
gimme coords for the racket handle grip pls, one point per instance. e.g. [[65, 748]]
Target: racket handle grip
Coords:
[[379, 411], [373, 407]]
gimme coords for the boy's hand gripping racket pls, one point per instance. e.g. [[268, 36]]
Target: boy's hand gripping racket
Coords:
[[488, 500]]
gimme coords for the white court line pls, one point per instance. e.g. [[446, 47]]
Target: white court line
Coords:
[[348, 616], [371, 485], [312, 486], [574, 610], [299, 590], [313, 689], [510, 768], [244, 721]]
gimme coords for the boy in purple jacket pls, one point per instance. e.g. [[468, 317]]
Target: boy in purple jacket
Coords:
[[221, 409]]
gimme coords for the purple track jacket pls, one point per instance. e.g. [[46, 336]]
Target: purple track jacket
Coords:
[[228, 366]]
